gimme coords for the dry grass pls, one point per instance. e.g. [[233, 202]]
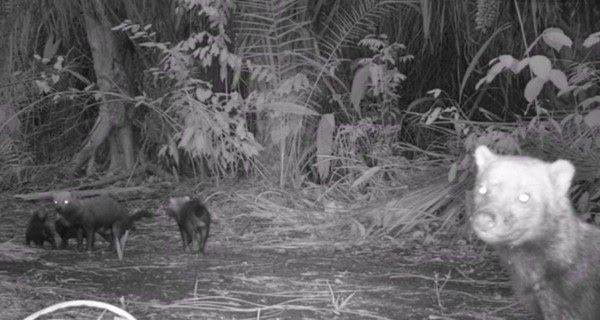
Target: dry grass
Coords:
[[315, 301], [11, 251]]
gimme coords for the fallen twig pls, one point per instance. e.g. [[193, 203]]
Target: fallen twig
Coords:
[[86, 193]]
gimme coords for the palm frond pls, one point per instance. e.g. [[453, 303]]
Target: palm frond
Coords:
[[353, 22], [273, 35]]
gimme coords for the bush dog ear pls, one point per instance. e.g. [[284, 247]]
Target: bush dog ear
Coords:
[[483, 157]]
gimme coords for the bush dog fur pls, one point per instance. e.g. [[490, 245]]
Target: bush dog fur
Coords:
[[39, 230], [96, 214], [68, 231], [522, 208], [193, 220]]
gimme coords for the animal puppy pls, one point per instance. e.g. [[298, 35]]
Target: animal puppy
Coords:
[[522, 207], [193, 220], [68, 231], [96, 214], [39, 230]]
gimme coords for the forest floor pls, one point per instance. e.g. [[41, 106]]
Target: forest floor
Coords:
[[252, 270]]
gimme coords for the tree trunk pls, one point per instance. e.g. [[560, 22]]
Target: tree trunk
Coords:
[[10, 125], [113, 119]]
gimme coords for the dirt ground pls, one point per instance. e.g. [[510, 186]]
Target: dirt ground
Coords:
[[248, 276]]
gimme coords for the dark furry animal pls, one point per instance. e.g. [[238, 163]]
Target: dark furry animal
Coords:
[[67, 231], [193, 220], [99, 214], [39, 230], [522, 207]]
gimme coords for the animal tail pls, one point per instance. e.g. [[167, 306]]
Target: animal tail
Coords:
[[140, 214], [125, 224], [135, 217]]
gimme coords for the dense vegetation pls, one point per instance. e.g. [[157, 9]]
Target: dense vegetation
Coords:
[[357, 100]]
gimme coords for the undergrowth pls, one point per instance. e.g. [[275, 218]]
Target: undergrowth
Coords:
[[346, 114]]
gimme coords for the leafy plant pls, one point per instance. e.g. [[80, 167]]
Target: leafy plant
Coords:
[[12, 163], [571, 135], [278, 51], [542, 70], [211, 125], [380, 75]]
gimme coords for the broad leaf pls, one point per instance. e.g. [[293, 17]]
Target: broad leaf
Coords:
[[507, 60], [494, 71], [556, 38], [376, 76], [592, 39], [359, 86], [324, 143], [559, 79], [452, 172], [540, 66], [186, 136], [592, 119], [533, 88], [51, 47], [433, 116]]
